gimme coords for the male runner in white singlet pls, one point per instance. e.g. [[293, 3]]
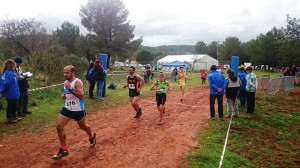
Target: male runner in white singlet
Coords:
[[73, 109]]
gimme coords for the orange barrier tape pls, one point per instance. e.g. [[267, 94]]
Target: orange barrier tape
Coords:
[[45, 87]]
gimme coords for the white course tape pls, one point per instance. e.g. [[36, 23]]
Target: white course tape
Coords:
[[173, 103], [45, 87], [225, 144]]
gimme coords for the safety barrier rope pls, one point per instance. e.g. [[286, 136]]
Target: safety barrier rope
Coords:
[[173, 103], [45, 87], [225, 144]]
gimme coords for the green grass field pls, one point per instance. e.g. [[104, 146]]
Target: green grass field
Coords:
[[268, 138], [259, 74]]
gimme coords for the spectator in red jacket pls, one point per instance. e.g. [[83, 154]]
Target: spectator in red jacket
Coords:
[[203, 77]]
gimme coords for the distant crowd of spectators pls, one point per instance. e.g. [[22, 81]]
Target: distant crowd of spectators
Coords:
[[285, 70]]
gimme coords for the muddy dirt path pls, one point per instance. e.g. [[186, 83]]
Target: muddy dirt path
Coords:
[[121, 140]]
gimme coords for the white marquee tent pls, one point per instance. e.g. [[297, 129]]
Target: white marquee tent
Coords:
[[202, 61]]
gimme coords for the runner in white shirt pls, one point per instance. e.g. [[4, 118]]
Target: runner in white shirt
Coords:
[[73, 109]]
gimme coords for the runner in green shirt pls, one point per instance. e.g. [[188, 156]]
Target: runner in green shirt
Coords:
[[161, 87]]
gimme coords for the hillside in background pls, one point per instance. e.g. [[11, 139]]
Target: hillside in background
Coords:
[[164, 50]]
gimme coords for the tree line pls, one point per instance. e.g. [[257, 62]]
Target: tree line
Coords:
[[109, 32], [277, 47]]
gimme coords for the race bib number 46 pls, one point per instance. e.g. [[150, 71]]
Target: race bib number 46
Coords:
[[131, 86]]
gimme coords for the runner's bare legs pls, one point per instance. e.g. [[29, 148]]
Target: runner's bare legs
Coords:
[[134, 104], [161, 111], [182, 92], [61, 123], [82, 125]]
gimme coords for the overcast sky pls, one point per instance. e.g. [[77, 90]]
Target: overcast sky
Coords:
[[171, 22]]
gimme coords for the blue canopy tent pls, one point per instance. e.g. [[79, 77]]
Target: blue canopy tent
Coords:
[[176, 64]]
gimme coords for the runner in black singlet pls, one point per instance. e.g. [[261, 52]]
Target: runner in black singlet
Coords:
[[134, 84]]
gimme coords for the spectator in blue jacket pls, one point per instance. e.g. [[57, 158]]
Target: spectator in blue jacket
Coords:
[[242, 90], [105, 79], [92, 82], [10, 90], [98, 74], [217, 85]]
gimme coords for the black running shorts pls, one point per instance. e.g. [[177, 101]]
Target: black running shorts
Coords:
[[161, 99], [74, 115], [133, 93]]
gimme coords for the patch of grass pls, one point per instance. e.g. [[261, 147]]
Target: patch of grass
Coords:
[[267, 138], [259, 74], [210, 147], [45, 106]]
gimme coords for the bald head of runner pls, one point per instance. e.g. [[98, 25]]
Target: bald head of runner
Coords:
[[69, 72]]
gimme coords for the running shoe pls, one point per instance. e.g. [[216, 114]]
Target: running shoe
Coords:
[[61, 153], [11, 121], [139, 113], [17, 118], [21, 114], [93, 140], [160, 122], [100, 99], [236, 116], [136, 114], [27, 112]]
